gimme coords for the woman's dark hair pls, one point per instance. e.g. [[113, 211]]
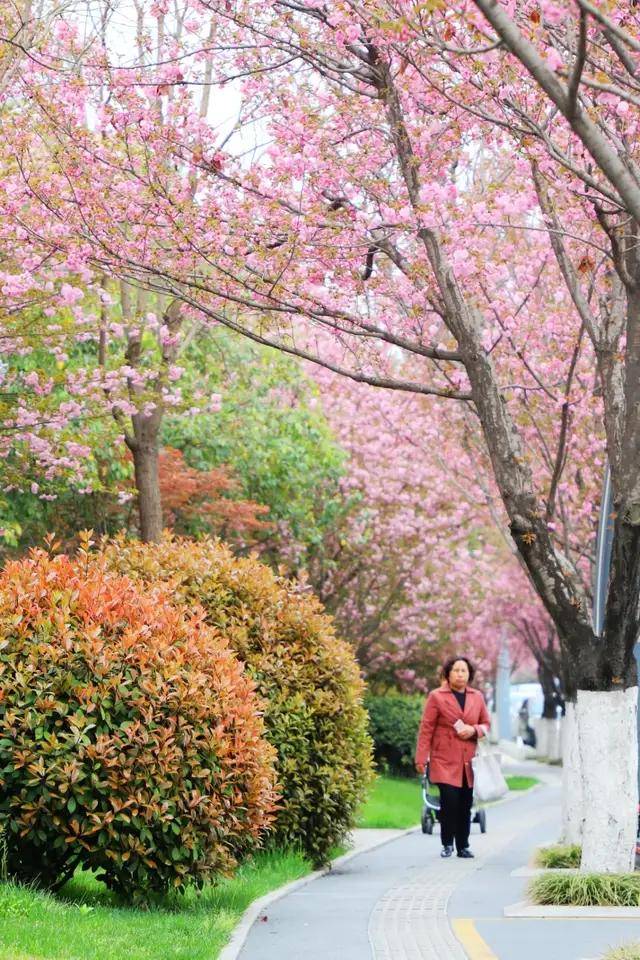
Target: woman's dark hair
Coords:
[[447, 667]]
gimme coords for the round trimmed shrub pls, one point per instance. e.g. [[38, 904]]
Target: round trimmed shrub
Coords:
[[394, 720], [308, 678], [130, 737]]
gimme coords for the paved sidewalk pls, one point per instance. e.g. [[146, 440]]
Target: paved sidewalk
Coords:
[[479, 901], [391, 903], [411, 921]]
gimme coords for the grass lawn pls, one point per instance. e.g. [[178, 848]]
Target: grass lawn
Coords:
[[397, 802], [85, 922], [521, 783], [393, 802]]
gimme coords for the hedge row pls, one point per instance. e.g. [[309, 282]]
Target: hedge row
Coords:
[[394, 720], [162, 708], [308, 679]]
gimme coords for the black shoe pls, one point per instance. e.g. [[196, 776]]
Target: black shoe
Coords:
[[465, 854], [446, 851]]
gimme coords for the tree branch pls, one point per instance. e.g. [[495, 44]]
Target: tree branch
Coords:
[[578, 67], [564, 261], [611, 165]]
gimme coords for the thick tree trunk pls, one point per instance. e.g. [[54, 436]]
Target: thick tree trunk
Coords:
[[608, 743], [572, 793], [547, 728], [145, 461]]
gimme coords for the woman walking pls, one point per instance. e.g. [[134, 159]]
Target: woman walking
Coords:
[[455, 717]]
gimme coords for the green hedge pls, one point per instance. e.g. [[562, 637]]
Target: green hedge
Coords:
[[393, 723], [307, 677]]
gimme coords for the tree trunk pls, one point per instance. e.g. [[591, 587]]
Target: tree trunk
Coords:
[[144, 439], [145, 461], [602, 670], [546, 731], [572, 793], [607, 736], [550, 692]]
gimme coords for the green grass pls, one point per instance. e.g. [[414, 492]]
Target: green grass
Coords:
[[586, 889], [559, 857], [396, 802], [521, 783], [85, 922]]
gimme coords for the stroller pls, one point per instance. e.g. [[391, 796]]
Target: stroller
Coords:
[[431, 807]]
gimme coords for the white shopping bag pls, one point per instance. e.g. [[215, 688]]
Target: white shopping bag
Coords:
[[488, 781]]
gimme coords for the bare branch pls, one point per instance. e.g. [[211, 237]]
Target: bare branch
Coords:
[[561, 454], [389, 383], [564, 261], [574, 80]]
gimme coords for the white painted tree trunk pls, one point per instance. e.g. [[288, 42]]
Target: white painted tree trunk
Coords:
[[572, 812], [543, 731], [608, 741], [555, 741]]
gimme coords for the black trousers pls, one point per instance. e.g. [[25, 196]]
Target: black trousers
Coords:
[[455, 814]]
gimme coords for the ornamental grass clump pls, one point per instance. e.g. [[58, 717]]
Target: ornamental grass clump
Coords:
[[559, 856], [130, 737], [630, 951], [308, 678], [586, 889]]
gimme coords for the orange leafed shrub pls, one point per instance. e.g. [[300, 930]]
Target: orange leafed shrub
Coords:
[[130, 737], [307, 676], [190, 494]]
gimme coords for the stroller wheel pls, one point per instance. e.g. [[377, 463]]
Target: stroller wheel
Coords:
[[427, 822], [482, 820]]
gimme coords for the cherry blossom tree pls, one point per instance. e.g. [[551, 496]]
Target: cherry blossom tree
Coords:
[[416, 217]]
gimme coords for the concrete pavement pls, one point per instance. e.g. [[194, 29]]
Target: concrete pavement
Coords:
[[402, 902], [479, 901]]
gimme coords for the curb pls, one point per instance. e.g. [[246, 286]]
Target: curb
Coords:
[[525, 910], [241, 931]]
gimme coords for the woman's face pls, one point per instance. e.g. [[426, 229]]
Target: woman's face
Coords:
[[459, 676]]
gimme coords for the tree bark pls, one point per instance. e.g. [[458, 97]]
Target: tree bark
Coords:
[[550, 692], [144, 438], [145, 462], [572, 791], [607, 737]]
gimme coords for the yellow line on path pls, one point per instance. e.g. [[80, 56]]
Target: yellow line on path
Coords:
[[474, 945]]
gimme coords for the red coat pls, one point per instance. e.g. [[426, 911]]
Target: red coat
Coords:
[[438, 742]]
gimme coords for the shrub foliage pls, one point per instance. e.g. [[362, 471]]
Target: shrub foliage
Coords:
[[130, 737], [393, 721], [308, 678]]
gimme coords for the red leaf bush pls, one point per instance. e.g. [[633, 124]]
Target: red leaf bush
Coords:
[[308, 678], [130, 737]]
